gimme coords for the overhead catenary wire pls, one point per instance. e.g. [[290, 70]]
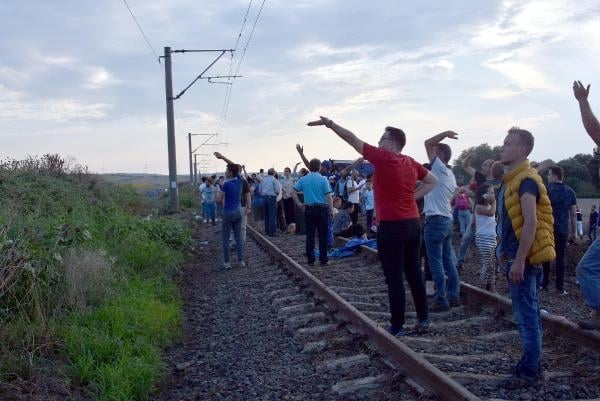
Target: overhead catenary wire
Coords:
[[229, 87], [141, 31]]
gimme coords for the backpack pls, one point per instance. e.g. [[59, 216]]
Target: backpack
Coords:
[[462, 202]]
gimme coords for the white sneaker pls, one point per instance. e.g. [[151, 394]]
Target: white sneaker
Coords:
[[242, 264], [227, 265]]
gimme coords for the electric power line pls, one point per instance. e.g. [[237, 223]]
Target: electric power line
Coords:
[[141, 31], [229, 87]]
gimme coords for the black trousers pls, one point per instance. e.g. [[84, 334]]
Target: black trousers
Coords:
[[315, 218], [289, 210], [398, 243], [560, 245]]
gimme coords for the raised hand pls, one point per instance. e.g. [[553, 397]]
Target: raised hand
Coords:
[[451, 134], [580, 91], [218, 155], [299, 148], [321, 121]]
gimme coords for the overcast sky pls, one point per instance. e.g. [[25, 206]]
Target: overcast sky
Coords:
[[78, 79]]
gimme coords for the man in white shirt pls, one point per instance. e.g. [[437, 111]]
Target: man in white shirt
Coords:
[[437, 233]]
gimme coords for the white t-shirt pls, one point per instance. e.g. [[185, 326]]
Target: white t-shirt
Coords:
[[353, 197], [201, 188], [437, 202]]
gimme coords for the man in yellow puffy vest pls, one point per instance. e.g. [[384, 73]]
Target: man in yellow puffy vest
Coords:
[[525, 229]]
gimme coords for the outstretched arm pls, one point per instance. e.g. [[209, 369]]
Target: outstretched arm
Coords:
[[220, 156], [432, 142], [300, 150], [342, 132], [590, 122]]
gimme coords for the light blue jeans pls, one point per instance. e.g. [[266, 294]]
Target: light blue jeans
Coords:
[[588, 275], [464, 220], [437, 235], [464, 244], [232, 220], [526, 312]]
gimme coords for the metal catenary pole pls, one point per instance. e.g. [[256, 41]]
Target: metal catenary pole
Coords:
[[190, 150], [173, 191]]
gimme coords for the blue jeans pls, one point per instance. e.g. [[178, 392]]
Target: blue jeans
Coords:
[[203, 207], [270, 205], [232, 220], [210, 211], [464, 244], [526, 312], [438, 242], [464, 219], [588, 275]]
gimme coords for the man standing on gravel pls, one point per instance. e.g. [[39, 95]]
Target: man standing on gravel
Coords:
[[318, 209], [437, 232], [399, 230], [525, 229], [588, 269], [230, 195]]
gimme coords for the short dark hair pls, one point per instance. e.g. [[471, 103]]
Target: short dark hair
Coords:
[[558, 172], [303, 171], [314, 165], [481, 190], [234, 169], [445, 152], [271, 171], [203, 179], [287, 169], [525, 137], [398, 136]]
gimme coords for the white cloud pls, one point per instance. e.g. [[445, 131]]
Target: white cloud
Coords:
[[526, 76], [99, 77], [13, 76], [55, 110], [498, 93]]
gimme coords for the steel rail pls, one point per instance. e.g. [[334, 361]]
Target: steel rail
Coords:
[[413, 365], [476, 296]]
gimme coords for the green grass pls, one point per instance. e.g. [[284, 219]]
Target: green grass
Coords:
[[116, 348], [114, 345]]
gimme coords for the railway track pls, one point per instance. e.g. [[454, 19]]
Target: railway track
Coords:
[[464, 355]]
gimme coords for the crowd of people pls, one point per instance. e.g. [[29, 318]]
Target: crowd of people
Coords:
[[519, 223]]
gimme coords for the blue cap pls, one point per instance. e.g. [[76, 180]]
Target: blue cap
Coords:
[[326, 164]]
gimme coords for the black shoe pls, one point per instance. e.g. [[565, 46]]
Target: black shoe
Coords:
[[454, 303], [437, 307], [311, 263], [516, 382], [326, 263]]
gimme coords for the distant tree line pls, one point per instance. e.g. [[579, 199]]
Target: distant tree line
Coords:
[[581, 171]]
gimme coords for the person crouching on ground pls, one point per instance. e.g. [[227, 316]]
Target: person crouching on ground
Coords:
[[343, 226]]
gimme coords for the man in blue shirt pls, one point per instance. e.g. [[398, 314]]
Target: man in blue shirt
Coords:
[[269, 189], [563, 202], [318, 208], [230, 194]]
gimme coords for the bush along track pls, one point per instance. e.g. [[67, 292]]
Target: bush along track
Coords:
[[87, 300]]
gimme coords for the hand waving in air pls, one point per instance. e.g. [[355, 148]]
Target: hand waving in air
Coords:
[[580, 91]]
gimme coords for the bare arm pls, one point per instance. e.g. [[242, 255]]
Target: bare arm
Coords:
[[427, 184], [300, 150], [573, 215], [347, 135], [467, 166], [248, 202], [432, 142], [486, 210], [590, 122], [349, 167], [528, 208], [330, 203], [294, 172], [220, 156], [296, 199]]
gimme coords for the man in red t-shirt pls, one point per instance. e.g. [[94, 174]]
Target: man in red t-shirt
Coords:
[[399, 229]]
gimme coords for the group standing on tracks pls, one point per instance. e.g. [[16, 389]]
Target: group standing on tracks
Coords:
[[518, 222]]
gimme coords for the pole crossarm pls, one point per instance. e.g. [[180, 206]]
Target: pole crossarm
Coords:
[[222, 51]]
